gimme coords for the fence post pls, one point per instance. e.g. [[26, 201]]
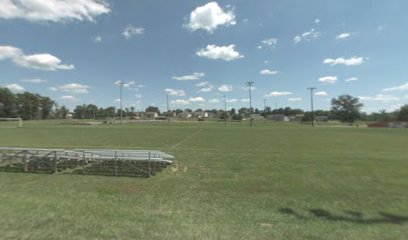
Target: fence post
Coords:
[[149, 168], [55, 162], [25, 161], [115, 170]]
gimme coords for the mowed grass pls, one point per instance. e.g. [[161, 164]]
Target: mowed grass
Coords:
[[228, 182]]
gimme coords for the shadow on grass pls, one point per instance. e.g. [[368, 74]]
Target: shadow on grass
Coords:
[[349, 216]]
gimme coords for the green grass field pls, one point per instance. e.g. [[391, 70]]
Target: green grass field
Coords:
[[228, 182]]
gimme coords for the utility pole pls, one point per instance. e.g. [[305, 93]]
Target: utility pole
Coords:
[[250, 102], [311, 103], [264, 105], [225, 109], [121, 110], [167, 96], [168, 113]]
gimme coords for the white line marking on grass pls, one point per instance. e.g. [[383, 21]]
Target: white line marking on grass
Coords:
[[185, 139]]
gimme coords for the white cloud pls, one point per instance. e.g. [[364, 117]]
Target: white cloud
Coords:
[[278, 94], [53, 10], [343, 35], [353, 61], [271, 43], [232, 100], [179, 102], [245, 100], [131, 31], [226, 53], [42, 61], [321, 93], [379, 97], [328, 79], [317, 21], [194, 76], [208, 88], [73, 88], [54, 89], [68, 97], [213, 100], [351, 79], [138, 95], [33, 80], [202, 84], [307, 36], [209, 17], [128, 84], [225, 88], [196, 99], [295, 99], [175, 92], [117, 100], [97, 39], [268, 72], [246, 88], [14, 87], [403, 87]]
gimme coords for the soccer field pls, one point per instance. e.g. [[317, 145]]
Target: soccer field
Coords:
[[227, 182]]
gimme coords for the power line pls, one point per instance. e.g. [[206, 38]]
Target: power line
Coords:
[[311, 103]]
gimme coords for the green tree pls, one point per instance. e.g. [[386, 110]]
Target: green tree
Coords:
[[346, 108], [152, 109], [403, 113], [28, 106], [7, 103], [63, 112], [46, 105]]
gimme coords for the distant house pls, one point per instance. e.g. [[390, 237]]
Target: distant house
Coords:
[[201, 114], [275, 117], [389, 124], [185, 115], [257, 117], [151, 114], [211, 114], [322, 118]]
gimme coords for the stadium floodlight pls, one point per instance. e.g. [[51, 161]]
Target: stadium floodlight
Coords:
[[311, 103]]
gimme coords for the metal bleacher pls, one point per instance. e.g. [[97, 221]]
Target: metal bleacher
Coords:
[[110, 162]]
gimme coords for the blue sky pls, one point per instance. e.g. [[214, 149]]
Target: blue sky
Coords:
[[199, 51]]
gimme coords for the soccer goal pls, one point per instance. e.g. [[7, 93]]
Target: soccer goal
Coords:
[[11, 122]]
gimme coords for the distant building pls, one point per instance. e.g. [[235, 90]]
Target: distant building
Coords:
[[257, 117], [185, 115], [322, 118], [151, 114], [275, 117], [389, 124]]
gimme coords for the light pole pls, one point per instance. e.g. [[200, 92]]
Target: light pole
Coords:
[[225, 109], [311, 103], [167, 95], [121, 110], [250, 102]]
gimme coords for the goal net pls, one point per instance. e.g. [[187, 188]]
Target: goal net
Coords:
[[11, 122]]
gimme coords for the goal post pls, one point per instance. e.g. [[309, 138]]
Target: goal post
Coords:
[[11, 122]]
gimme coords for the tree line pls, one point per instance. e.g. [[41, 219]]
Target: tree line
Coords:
[[29, 106], [25, 105]]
